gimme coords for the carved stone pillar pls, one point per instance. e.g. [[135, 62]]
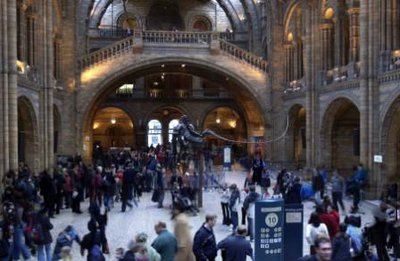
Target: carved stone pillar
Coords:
[[288, 47], [327, 46], [354, 24]]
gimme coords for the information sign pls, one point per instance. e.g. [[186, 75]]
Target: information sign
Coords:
[[269, 221], [293, 231]]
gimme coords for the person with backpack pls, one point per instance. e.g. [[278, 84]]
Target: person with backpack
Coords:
[[341, 245], [64, 242], [41, 235], [92, 242], [204, 243]]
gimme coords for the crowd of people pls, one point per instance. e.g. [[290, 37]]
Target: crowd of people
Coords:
[[29, 202]]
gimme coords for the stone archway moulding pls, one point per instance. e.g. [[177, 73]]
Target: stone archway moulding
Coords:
[[102, 79], [98, 81], [326, 124]]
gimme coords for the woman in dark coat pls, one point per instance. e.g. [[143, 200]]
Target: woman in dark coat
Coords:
[[341, 245], [44, 247]]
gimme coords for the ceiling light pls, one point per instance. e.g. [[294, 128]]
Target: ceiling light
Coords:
[[183, 65], [218, 120], [113, 121]]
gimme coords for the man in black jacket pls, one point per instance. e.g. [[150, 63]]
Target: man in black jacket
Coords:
[[204, 244]]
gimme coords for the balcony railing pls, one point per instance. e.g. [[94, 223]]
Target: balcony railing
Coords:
[[243, 55], [107, 53], [157, 37], [141, 39]]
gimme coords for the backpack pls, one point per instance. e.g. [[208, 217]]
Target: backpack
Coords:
[[265, 180], [37, 233], [95, 254]]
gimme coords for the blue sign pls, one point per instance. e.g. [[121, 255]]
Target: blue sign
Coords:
[[269, 234], [293, 231]]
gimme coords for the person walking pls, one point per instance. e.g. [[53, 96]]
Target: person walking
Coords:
[[165, 243], [341, 245], [204, 243], [236, 247], [183, 235], [323, 251], [226, 220], [314, 230]]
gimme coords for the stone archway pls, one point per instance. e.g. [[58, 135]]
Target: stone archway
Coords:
[[390, 140], [28, 144], [99, 83], [295, 143], [112, 127], [229, 123], [340, 136]]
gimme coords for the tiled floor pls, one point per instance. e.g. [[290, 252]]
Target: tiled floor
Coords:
[[123, 226]]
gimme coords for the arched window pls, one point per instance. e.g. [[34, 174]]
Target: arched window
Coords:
[[154, 134], [171, 126]]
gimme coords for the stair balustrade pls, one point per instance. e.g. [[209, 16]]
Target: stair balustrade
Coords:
[[141, 39]]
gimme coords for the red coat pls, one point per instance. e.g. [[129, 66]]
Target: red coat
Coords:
[[331, 222]]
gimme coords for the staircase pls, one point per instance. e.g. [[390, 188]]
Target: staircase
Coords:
[[169, 41]]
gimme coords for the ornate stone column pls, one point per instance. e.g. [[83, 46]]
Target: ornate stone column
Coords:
[[288, 48], [312, 66], [327, 46], [354, 24], [12, 83]]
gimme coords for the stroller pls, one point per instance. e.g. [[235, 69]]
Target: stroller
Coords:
[[179, 200]]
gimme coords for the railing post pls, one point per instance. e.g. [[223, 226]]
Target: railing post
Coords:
[[137, 46], [214, 43]]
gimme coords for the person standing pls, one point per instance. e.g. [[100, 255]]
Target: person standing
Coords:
[[234, 202], [236, 247], [44, 246], [165, 243], [226, 220], [258, 166], [204, 243], [248, 205], [337, 191]]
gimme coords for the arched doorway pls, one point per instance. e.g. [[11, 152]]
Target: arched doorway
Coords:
[[227, 88], [341, 136], [296, 143], [228, 123], [201, 24], [27, 134], [391, 144], [113, 129]]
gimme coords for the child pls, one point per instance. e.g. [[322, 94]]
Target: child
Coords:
[[64, 241]]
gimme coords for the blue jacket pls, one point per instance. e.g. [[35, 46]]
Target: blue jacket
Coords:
[[236, 248], [204, 244], [166, 245]]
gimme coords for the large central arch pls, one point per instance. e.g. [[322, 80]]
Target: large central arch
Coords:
[[249, 88]]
